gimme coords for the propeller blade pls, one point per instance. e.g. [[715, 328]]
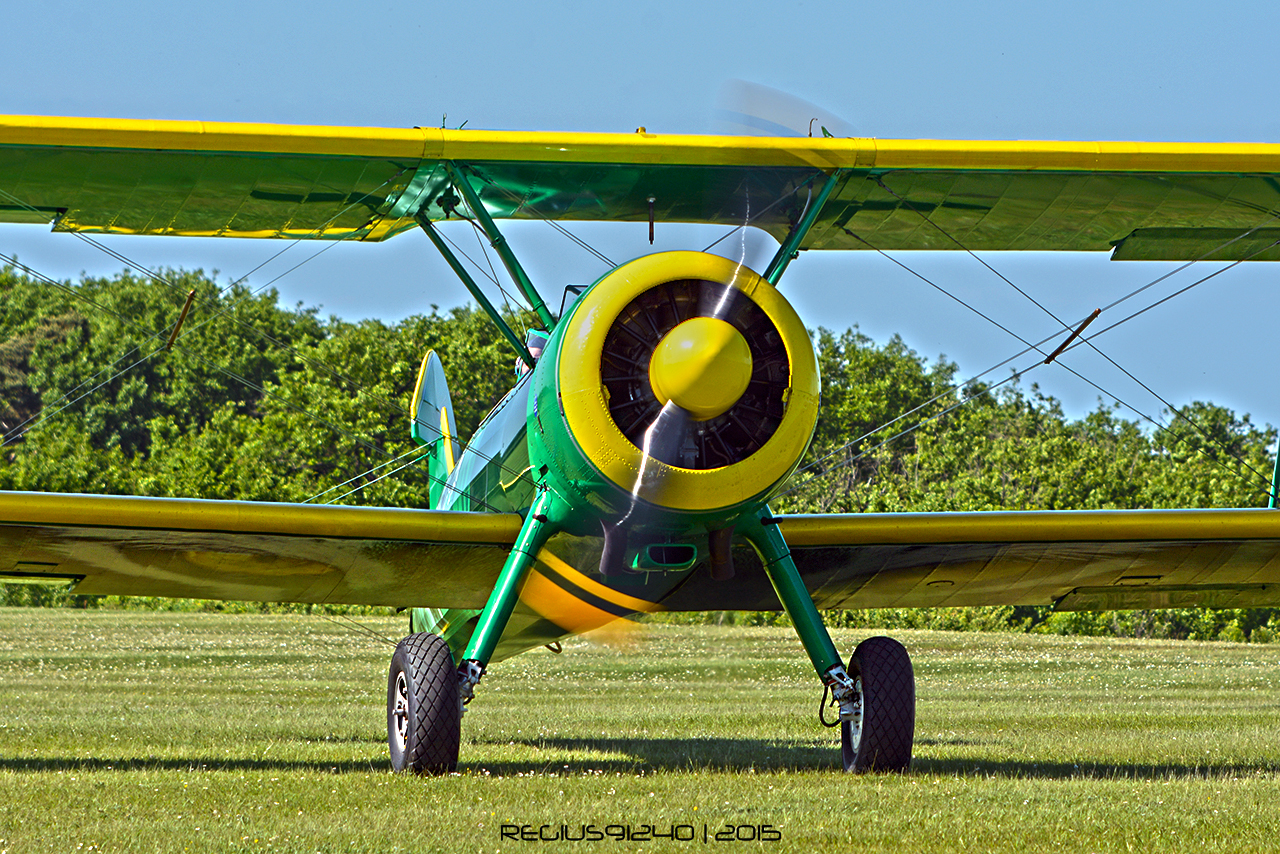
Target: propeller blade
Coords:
[[750, 109]]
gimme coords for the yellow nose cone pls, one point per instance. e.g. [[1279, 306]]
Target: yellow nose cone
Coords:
[[703, 366]]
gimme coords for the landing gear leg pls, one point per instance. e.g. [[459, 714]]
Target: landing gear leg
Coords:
[[543, 521], [426, 693], [877, 702]]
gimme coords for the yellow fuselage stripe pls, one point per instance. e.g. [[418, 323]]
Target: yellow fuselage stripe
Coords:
[[608, 594]]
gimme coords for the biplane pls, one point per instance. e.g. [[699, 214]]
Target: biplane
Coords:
[[657, 413]]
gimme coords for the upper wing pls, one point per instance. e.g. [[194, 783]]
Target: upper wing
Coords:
[[253, 550], [1149, 200], [1076, 560]]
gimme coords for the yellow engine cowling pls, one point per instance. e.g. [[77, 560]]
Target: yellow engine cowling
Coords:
[[698, 331]]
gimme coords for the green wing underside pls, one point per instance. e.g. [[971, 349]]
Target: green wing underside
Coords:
[[301, 553], [1148, 201]]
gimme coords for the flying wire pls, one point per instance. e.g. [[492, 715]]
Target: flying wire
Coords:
[[383, 476], [1088, 340], [605, 259], [522, 203], [13, 434], [880, 181], [1047, 338], [153, 275], [365, 473], [1030, 347], [360, 628], [162, 280], [1178, 412]]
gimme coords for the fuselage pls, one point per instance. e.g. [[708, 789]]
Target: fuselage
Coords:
[[655, 464]]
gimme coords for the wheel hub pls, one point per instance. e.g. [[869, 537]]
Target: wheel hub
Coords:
[[401, 711]]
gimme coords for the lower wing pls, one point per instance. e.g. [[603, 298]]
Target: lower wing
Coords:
[[253, 550], [1075, 560]]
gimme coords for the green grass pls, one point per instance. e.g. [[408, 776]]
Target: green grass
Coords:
[[126, 731]]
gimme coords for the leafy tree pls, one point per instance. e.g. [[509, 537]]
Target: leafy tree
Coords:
[[259, 402]]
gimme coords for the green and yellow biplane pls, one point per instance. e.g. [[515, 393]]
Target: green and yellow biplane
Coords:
[[631, 467]]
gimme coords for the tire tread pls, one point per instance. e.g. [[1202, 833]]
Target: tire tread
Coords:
[[888, 705], [433, 740]]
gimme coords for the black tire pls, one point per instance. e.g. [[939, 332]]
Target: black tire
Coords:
[[888, 708], [424, 723]]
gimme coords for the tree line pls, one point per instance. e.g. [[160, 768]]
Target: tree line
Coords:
[[255, 401]]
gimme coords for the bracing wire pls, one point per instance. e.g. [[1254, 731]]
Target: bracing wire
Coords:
[[397, 458], [11, 436], [154, 276], [383, 476], [45, 414], [521, 202], [1244, 463], [1272, 215], [754, 217]]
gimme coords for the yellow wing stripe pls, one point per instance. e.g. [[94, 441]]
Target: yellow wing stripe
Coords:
[[189, 514], [212, 136], [1030, 526], [521, 146]]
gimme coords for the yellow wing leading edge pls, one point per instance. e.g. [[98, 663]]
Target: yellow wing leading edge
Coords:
[[1147, 200]]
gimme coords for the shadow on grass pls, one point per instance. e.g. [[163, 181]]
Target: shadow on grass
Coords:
[[47, 764], [661, 754], [764, 756], [633, 755], [1018, 769]]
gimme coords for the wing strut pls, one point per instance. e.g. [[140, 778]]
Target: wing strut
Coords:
[[500, 246], [1275, 481], [790, 247], [471, 286]]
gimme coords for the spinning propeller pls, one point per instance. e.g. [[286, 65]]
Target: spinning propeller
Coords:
[[689, 389]]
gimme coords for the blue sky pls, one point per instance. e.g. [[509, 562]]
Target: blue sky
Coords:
[[1081, 70]]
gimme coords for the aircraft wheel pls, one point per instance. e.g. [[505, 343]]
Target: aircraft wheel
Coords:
[[883, 742], [424, 723]]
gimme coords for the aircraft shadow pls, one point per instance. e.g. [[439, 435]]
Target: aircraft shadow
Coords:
[[43, 764], [627, 755], [665, 754], [764, 756], [1022, 769]]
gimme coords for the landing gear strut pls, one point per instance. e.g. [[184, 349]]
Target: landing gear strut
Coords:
[[876, 694], [426, 691]]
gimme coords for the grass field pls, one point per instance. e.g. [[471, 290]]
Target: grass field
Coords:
[[126, 731]]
